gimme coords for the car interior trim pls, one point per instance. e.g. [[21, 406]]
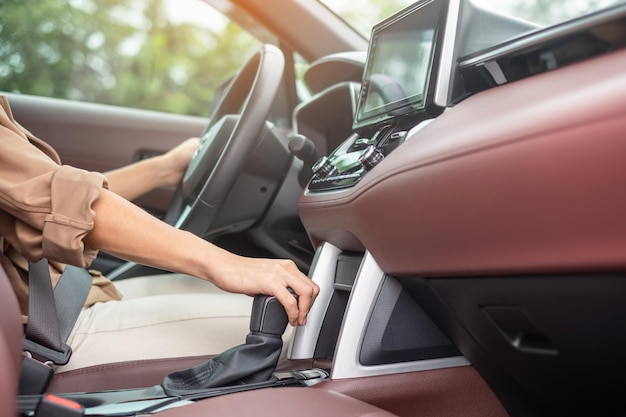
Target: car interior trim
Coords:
[[320, 120], [496, 72], [450, 392], [441, 95], [399, 330], [550, 34], [346, 363], [323, 274], [529, 209]]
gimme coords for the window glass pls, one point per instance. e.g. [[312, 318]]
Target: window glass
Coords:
[[545, 12], [301, 66], [166, 55], [364, 14]]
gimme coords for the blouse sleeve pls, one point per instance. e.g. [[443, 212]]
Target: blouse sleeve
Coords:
[[45, 207]]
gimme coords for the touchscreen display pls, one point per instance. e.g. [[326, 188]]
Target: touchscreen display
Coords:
[[398, 65]]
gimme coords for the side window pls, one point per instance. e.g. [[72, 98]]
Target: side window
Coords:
[[165, 55], [300, 67]]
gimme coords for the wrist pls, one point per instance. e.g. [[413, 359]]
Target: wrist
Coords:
[[201, 258], [167, 171]]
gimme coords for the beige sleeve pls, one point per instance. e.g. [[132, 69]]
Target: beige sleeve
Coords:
[[45, 207], [70, 218]]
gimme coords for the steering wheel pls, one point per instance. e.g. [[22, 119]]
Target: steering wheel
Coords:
[[233, 132]]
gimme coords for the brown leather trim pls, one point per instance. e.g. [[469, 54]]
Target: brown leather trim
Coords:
[[10, 345], [120, 375], [271, 402], [442, 393], [525, 177]]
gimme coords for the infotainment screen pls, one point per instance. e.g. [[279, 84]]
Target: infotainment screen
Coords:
[[399, 64]]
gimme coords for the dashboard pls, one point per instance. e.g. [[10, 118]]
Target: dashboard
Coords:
[[421, 62], [406, 77], [459, 193]]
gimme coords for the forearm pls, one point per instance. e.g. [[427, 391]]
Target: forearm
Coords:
[[123, 229], [132, 181]]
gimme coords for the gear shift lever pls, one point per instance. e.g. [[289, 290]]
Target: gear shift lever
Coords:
[[254, 361], [303, 148]]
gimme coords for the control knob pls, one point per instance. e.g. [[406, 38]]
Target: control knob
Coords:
[[323, 167], [370, 158]]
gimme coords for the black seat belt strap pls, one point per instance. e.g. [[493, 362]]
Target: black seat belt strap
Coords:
[[51, 317], [70, 294], [52, 314], [42, 325]]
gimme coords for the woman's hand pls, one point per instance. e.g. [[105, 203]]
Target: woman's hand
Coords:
[[174, 163], [253, 276]]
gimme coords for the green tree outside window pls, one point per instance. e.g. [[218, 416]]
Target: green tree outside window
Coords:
[[120, 52]]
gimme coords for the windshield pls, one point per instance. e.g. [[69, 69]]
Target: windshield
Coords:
[[364, 14]]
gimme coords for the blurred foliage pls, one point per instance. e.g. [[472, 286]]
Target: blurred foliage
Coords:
[[122, 52]]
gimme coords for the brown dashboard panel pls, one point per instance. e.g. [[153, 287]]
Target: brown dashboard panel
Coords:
[[525, 177]]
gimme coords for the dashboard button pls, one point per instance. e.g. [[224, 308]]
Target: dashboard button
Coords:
[[323, 167]]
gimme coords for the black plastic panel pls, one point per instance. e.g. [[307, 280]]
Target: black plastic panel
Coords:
[[327, 340], [347, 268], [545, 50], [400, 331], [345, 274], [547, 345]]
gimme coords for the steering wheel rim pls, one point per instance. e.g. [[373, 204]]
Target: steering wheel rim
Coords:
[[227, 141]]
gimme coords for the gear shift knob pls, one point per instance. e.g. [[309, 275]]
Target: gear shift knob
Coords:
[[303, 148], [268, 316]]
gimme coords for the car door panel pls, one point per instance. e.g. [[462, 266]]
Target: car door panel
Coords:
[[100, 138]]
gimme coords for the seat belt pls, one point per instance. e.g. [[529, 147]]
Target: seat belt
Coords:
[[48, 405], [51, 318]]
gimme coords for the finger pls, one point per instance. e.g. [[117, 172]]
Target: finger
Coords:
[[307, 291], [290, 303]]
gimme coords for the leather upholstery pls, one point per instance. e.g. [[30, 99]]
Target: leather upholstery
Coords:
[[121, 375], [10, 346], [523, 178], [8, 386], [273, 402]]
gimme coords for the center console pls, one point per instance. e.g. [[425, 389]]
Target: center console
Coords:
[[396, 93]]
